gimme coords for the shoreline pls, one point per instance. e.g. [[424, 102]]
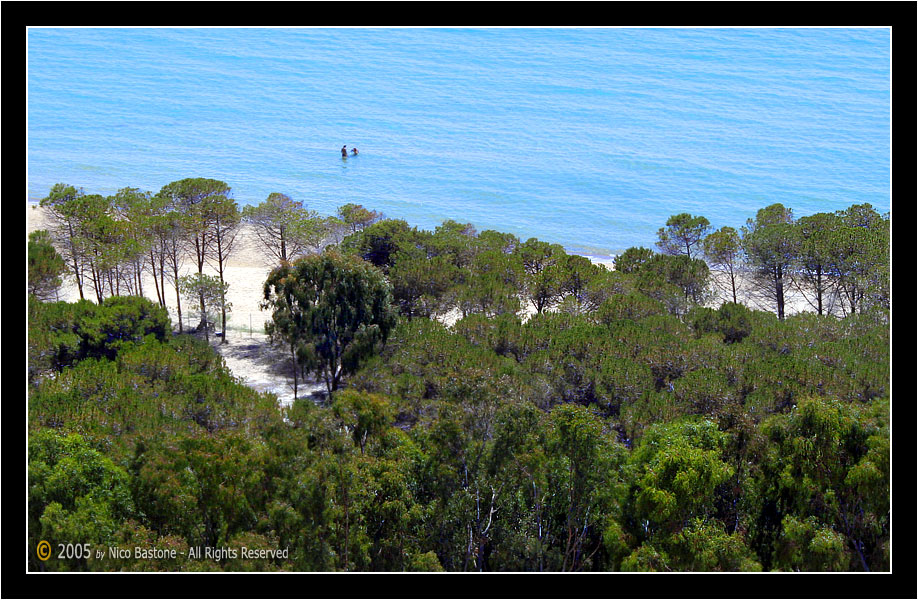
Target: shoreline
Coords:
[[247, 268], [606, 260]]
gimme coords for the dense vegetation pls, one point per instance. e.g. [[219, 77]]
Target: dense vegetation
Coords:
[[623, 426]]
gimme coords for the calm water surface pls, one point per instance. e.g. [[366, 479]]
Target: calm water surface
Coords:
[[590, 138]]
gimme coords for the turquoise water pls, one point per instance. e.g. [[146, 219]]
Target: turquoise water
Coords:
[[590, 138]]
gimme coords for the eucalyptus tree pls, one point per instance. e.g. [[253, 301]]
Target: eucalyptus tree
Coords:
[[583, 465], [365, 415], [677, 470], [823, 487], [331, 310], [74, 490]]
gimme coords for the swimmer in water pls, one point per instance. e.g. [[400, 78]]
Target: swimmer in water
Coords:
[[354, 151], [344, 151]]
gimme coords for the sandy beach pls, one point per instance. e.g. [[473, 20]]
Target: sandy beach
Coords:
[[246, 271], [247, 351]]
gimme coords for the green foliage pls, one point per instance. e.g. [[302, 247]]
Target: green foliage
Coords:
[[672, 280], [210, 290], [60, 334], [423, 362], [283, 226], [861, 258], [732, 321], [195, 195], [457, 241], [813, 263], [331, 309], [630, 260], [770, 243], [724, 251], [633, 306], [75, 493], [356, 217], [804, 546], [541, 284], [492, 284], [700, 547], [501, 334], [615, 429], [583, 286], [45, 266], [688, 274], [824, 462], [723, 247], [365, 415], [421, 285], [678, 467], [683, 234], [582, 466], [201, 488], [378, 243]]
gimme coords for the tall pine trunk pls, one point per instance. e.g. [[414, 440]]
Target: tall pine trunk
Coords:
[[159, 296], [76, 266], [779, 292], [222, 287], [178, 298]]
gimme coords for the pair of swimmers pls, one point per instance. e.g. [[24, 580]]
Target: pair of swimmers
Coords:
[[344, 151]]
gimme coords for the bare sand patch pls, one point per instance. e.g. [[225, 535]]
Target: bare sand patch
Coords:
[[265, 368], [751, 295], [248, 353], [246, 271]]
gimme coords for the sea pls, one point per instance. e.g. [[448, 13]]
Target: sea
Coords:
[[586, 137]]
